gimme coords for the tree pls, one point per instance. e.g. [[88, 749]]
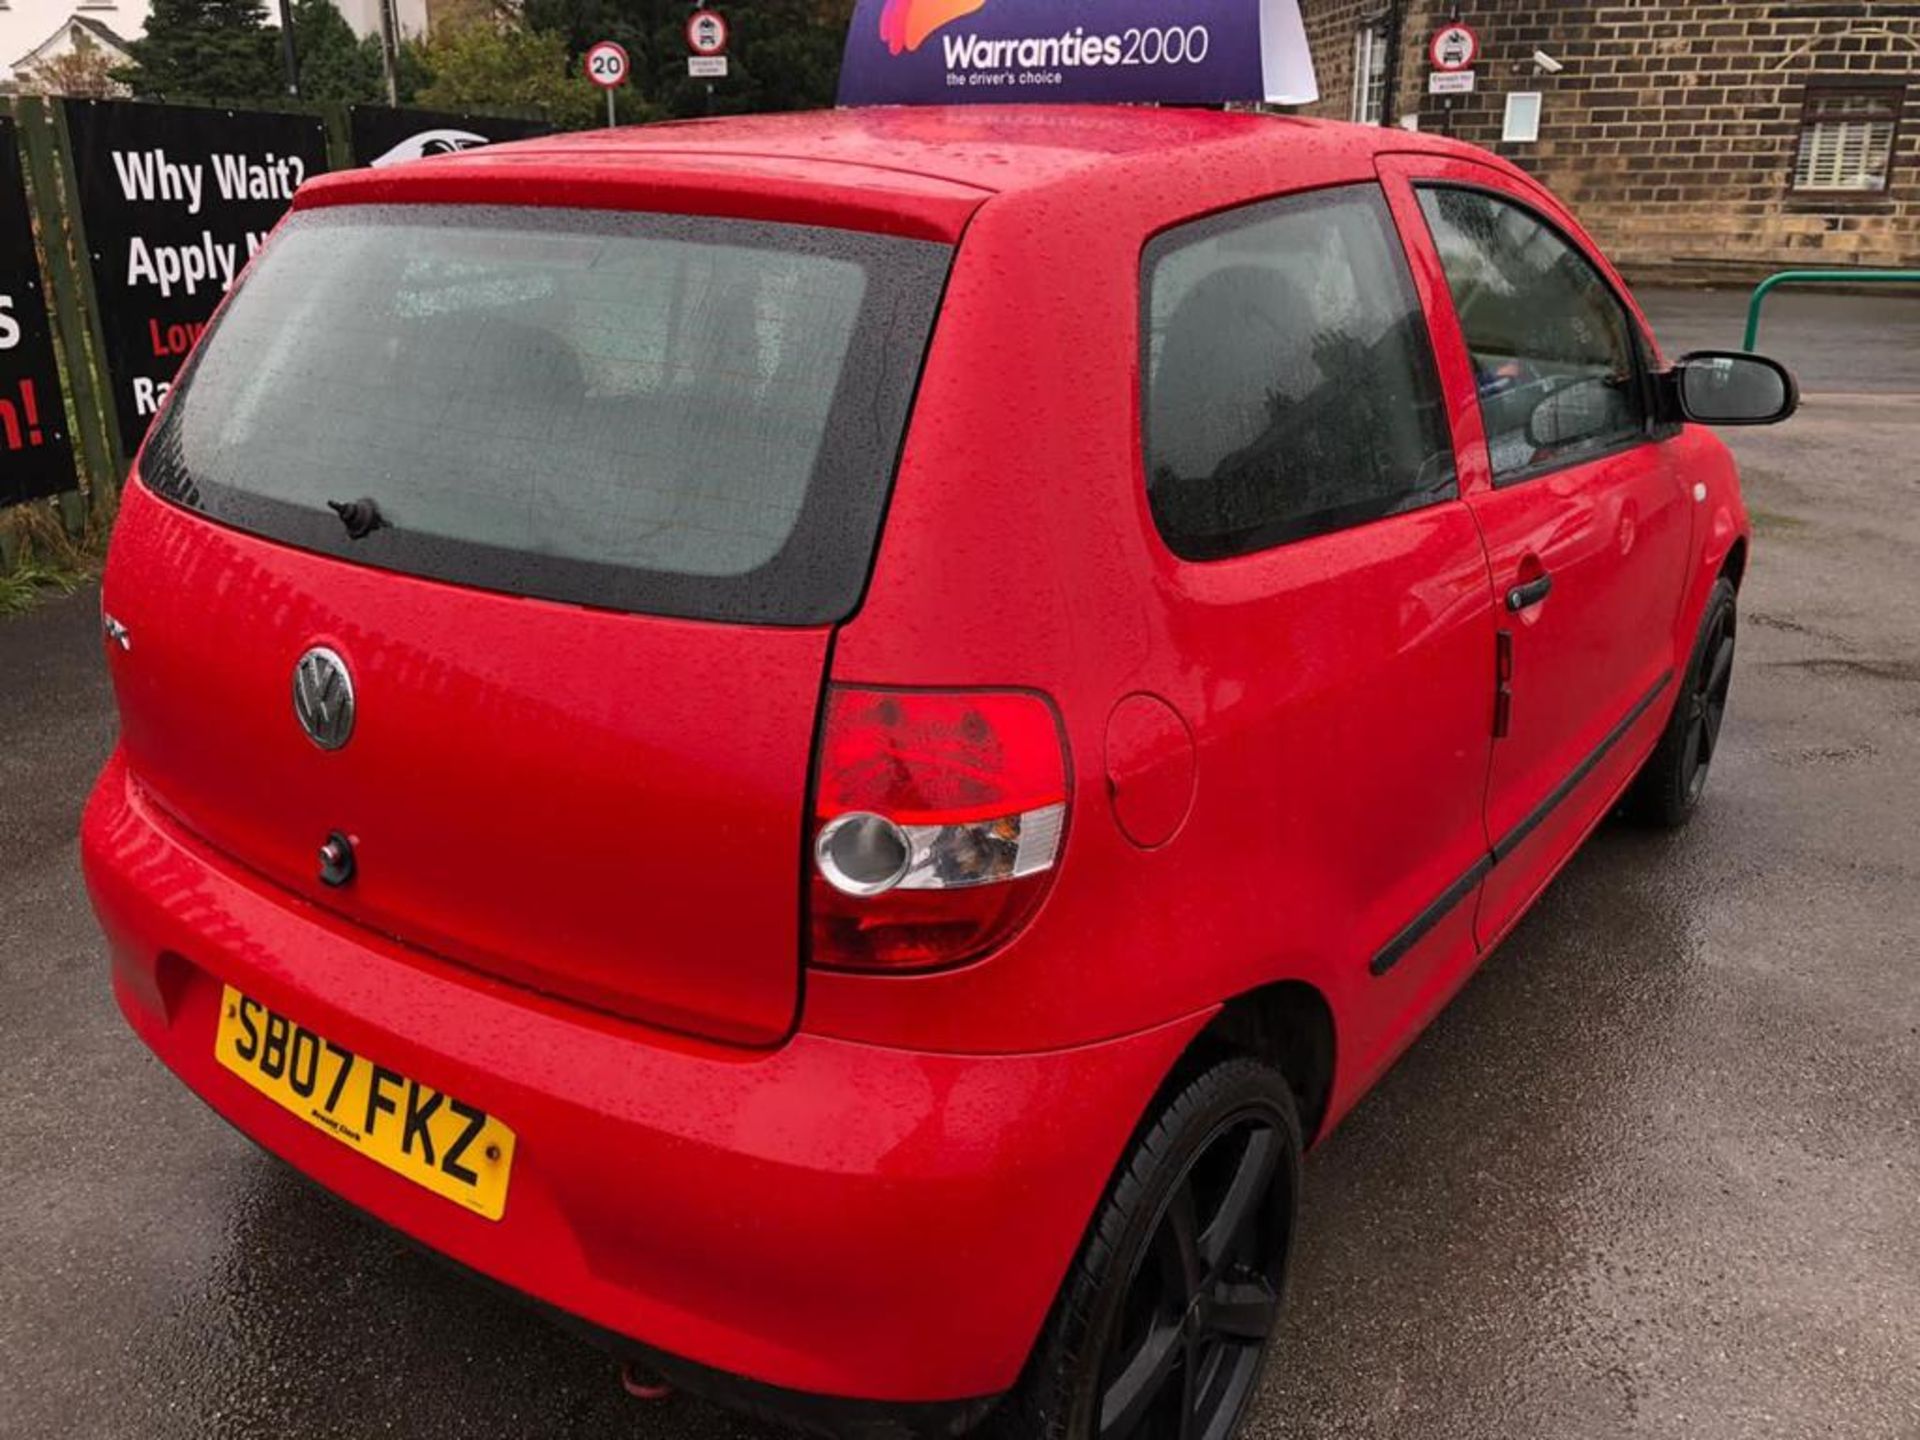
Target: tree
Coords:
[[335, 64], [499, 63], [629, 23], [85, 72], [781, 54], [410, 72], [206, 50]]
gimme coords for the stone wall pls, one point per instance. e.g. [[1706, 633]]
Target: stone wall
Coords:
[[1673, 128]]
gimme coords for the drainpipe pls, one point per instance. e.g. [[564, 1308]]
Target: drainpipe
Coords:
[[288, 55], [1396, 21], [389, 51]]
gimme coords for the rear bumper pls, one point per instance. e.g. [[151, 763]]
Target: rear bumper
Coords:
[[830, 1218]]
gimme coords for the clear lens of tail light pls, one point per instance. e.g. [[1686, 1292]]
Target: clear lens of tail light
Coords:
[[938, 822], [862, 854]]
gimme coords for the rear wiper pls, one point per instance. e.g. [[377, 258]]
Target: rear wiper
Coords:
[[361, 517]]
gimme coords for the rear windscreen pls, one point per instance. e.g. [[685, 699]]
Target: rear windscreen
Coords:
[[669, 414]]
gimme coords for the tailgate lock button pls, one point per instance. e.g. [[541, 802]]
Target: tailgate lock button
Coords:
[[336, 860]]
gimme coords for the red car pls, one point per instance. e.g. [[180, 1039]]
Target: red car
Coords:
[[827, 742]]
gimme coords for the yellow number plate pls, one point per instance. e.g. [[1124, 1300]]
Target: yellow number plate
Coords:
[[452, 1148]]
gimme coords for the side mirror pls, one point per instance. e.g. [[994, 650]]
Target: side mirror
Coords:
[[1733, 387]]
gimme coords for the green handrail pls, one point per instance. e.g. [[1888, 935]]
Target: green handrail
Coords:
[[1817, 277]]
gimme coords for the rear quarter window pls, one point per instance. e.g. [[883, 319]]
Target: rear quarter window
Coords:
[[668, 414], [1289, 386]]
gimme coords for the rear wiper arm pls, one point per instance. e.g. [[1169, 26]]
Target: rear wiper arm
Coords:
[[361, 517]]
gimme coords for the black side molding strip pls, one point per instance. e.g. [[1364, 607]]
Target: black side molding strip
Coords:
[[1390, 954], [1508, 843], [1395, 949]]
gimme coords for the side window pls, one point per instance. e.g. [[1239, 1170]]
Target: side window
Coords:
[[1554, 357], [1289, 386]]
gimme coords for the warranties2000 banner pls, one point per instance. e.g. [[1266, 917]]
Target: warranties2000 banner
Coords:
[[946, 52], [175, 199]]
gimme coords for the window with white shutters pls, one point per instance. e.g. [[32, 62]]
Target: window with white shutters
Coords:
[[1846, 139]]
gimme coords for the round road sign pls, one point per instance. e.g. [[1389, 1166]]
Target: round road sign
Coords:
[[706, 33], [607, 65], [1454, 47]]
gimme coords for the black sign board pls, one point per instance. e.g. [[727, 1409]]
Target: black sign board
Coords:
[[175, 199], [383, 136], [36, 455]]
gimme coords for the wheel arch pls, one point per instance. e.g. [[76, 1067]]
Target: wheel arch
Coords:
[[1289, 1025], [1734, 567]]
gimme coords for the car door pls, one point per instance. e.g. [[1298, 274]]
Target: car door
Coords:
[[1331, 590], [1586, 523]]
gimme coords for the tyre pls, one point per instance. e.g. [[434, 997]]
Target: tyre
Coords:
[[1669, 786], [1163, 1324]]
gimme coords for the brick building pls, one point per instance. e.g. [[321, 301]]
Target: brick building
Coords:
[[1696, 138]]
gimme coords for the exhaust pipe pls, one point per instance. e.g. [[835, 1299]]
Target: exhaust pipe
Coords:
[[644, 1384]]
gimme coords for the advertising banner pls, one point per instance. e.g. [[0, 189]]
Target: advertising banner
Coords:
[[175, 199], [946, 52], [380, 135], [36, 455]]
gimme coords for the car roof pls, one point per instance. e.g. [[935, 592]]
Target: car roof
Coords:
[[994, 148], [918, 170]]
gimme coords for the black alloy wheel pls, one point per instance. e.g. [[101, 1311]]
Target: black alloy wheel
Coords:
[[1707, 704], [1204, 1296], [1670, 784], [1164, 1319]]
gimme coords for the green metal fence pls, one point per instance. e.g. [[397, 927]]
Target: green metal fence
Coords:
[[1817, 277]]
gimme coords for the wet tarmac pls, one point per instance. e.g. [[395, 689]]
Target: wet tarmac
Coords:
[[1656, 1172]]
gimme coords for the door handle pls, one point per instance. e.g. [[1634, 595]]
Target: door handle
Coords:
[[1521, 597]]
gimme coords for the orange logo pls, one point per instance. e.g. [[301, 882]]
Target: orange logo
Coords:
[[905, 23]]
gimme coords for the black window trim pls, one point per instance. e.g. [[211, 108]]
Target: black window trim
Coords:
[[1208, 223], [1652, 431]]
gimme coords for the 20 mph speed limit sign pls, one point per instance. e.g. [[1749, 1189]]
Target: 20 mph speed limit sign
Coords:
[[607, 65]]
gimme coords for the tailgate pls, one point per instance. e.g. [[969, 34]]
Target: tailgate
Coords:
[[593, 804], [572, 501]]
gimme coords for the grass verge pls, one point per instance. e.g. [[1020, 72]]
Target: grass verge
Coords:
[[38, 558]]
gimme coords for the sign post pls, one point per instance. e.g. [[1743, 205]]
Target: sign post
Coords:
[[1452, 51], [607, 66], [707, 48]]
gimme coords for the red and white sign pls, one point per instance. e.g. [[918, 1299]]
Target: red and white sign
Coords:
[[706, 33], [607, 64], [1454, 47]]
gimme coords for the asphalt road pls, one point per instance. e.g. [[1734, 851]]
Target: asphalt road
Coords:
[[1852, 343], [1656, 1172]]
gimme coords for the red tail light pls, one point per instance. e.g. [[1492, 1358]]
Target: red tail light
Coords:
[[937, 822]]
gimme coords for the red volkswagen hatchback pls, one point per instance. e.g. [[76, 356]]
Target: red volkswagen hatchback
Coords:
[[826, 742]]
